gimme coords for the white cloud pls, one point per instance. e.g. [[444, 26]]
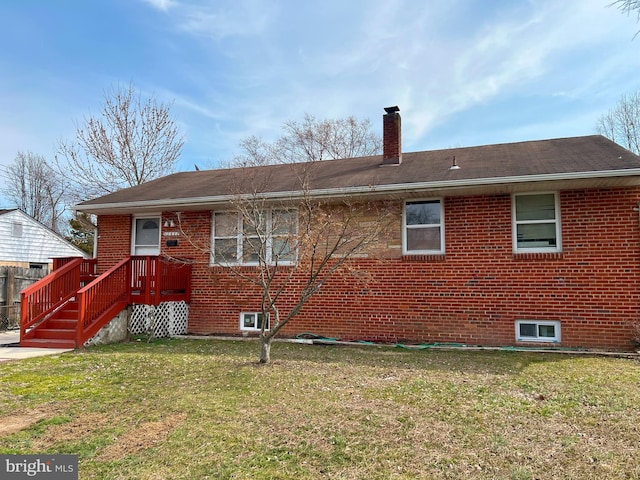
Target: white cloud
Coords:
[[220, 20], [163, 5], [241, 67], [518, 53]]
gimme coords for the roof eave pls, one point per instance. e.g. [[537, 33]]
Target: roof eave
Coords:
[[560, 181]]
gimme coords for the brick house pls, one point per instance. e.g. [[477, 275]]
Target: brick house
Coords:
[[523, 244]]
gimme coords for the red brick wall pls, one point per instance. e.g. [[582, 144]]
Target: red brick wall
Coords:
[[473, 294], [114, 240]]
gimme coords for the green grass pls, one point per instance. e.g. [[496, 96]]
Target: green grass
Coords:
[[205, 409]]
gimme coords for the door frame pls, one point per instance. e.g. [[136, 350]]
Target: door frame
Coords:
[[152, 215]]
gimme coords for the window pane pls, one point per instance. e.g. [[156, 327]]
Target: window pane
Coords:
[[536, 235], [284, 223], [282, 250], [225, 250], [250, 249], [423, 213], [261, 321], [547, 331], [423, 238], [254, 223], [226, 224], [528, 330], [535, 207], [147, 231], [249, 320], [16, 229]]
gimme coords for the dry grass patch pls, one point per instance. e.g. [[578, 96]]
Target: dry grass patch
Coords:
[[141, 437], [19, 421], [198, 409], [75, 430]]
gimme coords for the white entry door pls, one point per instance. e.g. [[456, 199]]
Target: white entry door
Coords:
[[146, 236]]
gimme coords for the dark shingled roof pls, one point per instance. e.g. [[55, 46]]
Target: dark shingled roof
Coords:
[[588, 156]]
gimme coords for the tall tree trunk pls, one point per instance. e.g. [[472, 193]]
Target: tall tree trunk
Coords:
[[265, 348]]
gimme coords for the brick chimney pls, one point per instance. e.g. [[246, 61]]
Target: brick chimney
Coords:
[[391, 137]]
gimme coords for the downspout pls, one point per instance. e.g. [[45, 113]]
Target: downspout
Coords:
[[95, 242], [636, 326]]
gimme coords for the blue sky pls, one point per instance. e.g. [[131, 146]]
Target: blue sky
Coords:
[[463, 72]]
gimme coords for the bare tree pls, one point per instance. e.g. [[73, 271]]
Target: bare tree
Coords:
[[312, 140], [622, 123], [294, 247], [628, 6], [36, 188], [131, 142], [305, 239]]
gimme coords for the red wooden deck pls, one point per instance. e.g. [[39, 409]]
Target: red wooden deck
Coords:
[[70, 305]]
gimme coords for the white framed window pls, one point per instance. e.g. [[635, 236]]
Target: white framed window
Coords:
[[423, 226], [536, 222], [16, 229], [538, 331], [265, 236], [252, 321]]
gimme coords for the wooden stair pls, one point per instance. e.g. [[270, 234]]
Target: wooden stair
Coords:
[[70, 305], [57, 331]]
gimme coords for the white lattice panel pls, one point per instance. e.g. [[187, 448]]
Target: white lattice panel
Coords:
[[180, 321], [160, 321], [139, 322], [165, 320]]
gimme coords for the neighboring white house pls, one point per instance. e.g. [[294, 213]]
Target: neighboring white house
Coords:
[[25, 242]]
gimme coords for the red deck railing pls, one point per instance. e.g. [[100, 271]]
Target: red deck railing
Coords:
[[88, 267], [48, 294], [138, 279], [106, 295], [159, 279]]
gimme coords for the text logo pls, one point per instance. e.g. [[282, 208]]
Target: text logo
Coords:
[[44, 467]]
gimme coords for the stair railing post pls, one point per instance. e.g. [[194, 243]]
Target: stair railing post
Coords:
[[147, 280], [81, 317], [129, 279], [157, 279], [25, 310]]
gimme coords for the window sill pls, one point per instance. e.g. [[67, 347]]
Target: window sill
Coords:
[[218, 268], [537, 255], [435, 257]]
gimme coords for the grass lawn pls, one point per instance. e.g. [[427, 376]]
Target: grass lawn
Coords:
[[205, 409]]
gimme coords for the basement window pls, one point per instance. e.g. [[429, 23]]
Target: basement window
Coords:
[[537, 331], [253, 321]]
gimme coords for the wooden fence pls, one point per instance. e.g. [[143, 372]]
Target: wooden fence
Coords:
[[12, 281]]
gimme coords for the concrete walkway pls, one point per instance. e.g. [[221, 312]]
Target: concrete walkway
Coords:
[[9, 349]]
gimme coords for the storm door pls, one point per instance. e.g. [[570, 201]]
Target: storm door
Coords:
[[146, 236]]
